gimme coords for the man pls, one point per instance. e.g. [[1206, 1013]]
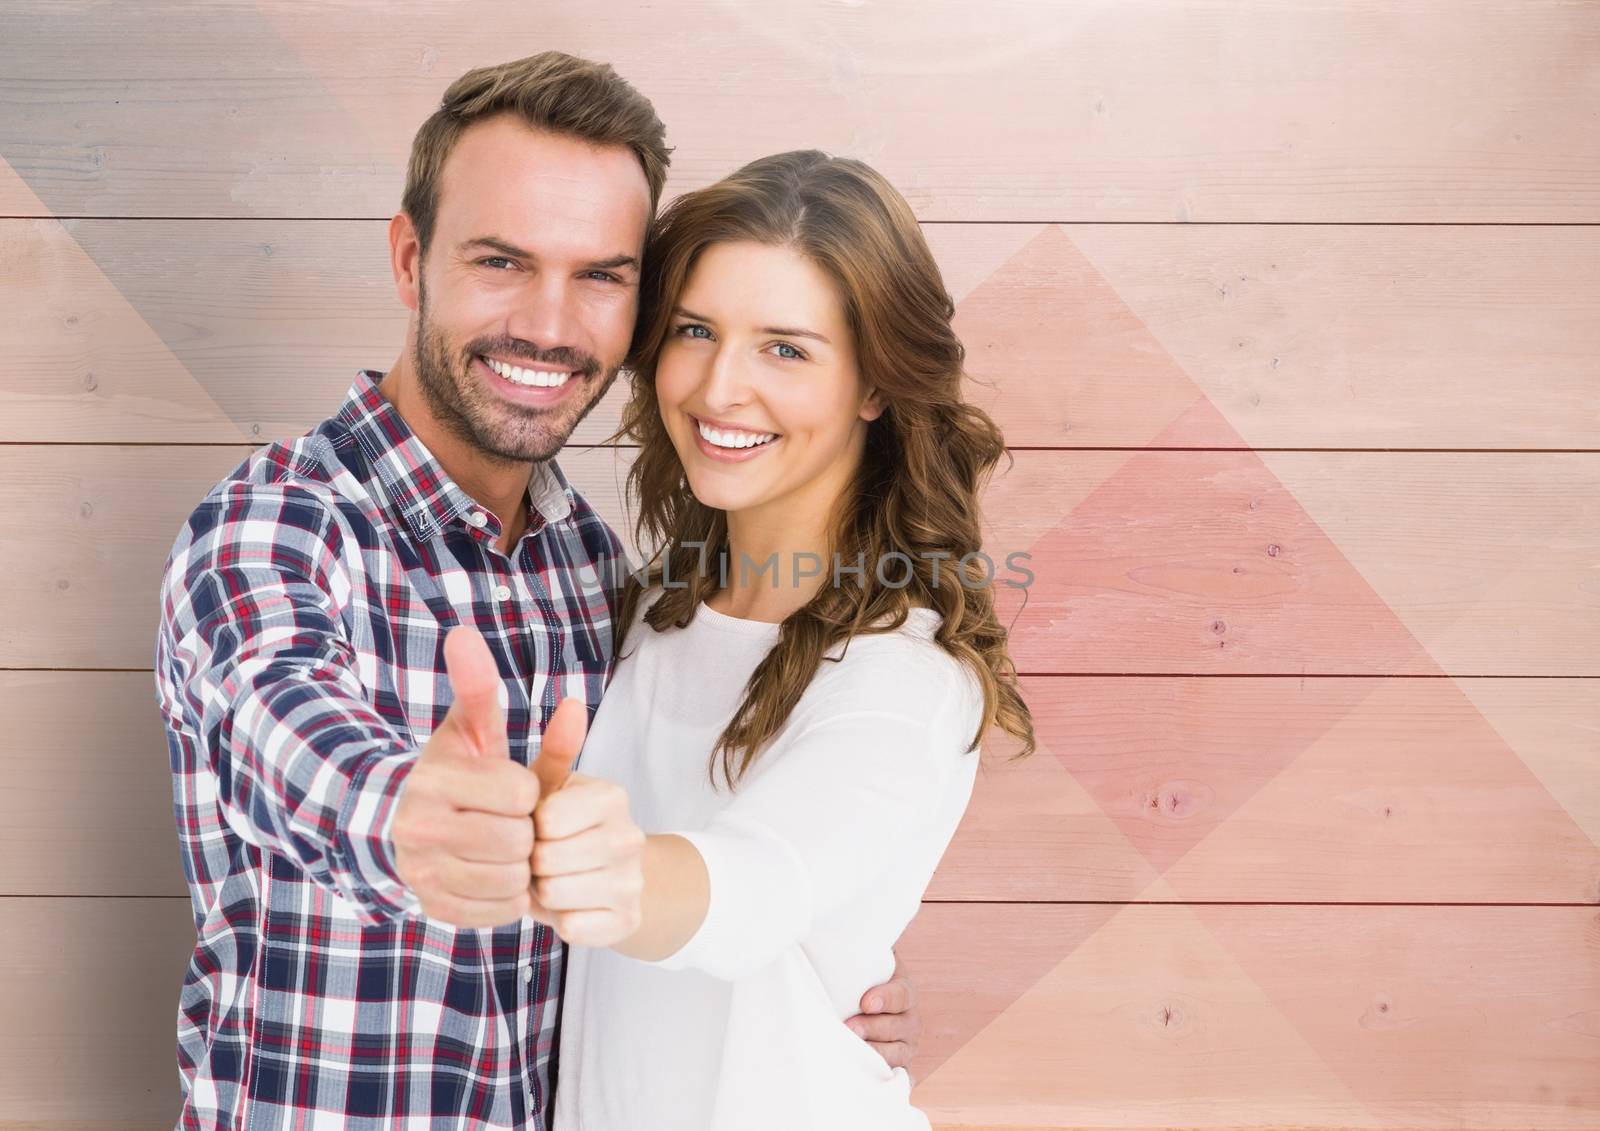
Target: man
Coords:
[[353, 807]]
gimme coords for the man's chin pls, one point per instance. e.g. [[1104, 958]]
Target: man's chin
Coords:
[[521, 450]]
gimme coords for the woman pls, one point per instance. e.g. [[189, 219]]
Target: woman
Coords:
[[805, 673]]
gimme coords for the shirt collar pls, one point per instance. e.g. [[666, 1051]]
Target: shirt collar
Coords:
[[413, 479]]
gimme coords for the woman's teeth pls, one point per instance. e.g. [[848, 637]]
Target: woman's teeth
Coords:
[[734, 439], [543, 378]]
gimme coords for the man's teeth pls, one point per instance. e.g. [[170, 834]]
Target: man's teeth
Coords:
[[734, 439], [543, 378]]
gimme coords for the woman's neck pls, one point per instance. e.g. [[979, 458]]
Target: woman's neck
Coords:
[[774, 566], [781, 551]]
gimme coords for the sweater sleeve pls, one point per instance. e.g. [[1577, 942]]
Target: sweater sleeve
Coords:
[[833, 815]]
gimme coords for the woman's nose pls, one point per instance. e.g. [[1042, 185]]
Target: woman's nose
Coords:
[[726, 383]]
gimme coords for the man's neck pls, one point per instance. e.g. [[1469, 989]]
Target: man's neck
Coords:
[[498, 486]]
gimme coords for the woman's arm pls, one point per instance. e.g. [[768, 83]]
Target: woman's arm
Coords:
[[801, 836], [677, 891]]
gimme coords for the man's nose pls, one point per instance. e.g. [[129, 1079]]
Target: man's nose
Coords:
[[545, 314]]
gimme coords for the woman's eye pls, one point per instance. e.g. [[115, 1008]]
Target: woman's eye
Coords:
[[688, 330], [792, 355]]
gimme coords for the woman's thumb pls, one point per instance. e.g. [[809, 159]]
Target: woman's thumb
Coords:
[[563, 738]]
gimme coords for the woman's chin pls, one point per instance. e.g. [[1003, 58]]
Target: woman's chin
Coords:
[[714, 491], [718, 498]]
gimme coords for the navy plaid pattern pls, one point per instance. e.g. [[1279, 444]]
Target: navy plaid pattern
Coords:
[[299, 668]]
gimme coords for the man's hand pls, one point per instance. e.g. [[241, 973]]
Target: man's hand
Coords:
[[587, 859], [889, 1019], [462, 828]]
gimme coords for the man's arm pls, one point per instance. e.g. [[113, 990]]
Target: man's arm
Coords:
[[890, 1020], [253, 665]]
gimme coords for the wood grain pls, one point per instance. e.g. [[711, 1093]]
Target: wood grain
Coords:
[[1312, 838], [1223, 1017], [1077, 336], [1037, 1016], [1164, 111], [1268, 790], [1148, 562]]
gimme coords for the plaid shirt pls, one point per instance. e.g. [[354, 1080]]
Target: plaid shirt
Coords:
[[299, 667]]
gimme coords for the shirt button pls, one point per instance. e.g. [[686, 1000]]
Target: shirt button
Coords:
[[528, 1095], [527, 973], [478, 518], [502, 592]]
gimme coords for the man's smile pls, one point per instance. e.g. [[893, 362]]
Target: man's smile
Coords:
[[526, 374], [526, 384]]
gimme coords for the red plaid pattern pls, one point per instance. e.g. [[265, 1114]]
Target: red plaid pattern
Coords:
[[299, 668]]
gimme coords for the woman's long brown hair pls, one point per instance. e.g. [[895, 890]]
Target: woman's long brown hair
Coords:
[[925, 459]]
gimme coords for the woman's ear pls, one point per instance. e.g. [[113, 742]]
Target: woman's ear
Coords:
[[872, 406]]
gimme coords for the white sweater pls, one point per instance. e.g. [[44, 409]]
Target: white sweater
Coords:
[[818, 860]]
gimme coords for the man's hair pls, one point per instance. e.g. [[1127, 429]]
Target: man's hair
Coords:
[[550, 91]]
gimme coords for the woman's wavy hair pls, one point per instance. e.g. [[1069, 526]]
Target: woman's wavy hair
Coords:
[[925, 460]]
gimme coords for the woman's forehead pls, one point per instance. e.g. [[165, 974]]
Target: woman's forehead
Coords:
[[762, 283]]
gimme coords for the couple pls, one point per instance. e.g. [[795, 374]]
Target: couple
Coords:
[[370, 633]]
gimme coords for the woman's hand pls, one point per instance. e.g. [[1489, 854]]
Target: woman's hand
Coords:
[[586, 868], [587, 863]]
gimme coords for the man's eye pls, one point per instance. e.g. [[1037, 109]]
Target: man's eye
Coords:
[[493, 259], [605, 275]]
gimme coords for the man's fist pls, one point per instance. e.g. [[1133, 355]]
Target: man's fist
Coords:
[[588, 855], [462, 828]]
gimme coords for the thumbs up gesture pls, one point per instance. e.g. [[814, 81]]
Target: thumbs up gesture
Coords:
[[462, 827], [588, 855]]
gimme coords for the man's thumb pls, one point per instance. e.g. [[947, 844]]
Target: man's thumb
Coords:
[[475, 681], [563, 738]]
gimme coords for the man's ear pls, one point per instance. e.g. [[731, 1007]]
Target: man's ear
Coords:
[[405, 258]]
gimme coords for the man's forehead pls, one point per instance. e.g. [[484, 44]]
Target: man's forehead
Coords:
[[507, 179]]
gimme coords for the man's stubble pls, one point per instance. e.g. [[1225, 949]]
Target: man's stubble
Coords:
[[509, 433]]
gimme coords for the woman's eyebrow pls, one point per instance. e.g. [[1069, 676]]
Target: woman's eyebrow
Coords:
[[781, 331], [789, 332]]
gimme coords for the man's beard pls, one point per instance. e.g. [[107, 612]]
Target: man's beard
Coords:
[[509, 432]]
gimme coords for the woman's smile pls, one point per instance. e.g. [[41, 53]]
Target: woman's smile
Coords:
[[728, 443]]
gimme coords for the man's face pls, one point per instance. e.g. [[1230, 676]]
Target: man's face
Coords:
[[529, 290]]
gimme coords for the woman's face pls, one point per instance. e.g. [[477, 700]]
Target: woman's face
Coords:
[[758, 387]]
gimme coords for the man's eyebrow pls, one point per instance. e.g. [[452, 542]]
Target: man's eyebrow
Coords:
[[780, 331], [495, 243]]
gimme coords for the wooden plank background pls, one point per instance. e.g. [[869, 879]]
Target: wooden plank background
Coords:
[[1288, 311]]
